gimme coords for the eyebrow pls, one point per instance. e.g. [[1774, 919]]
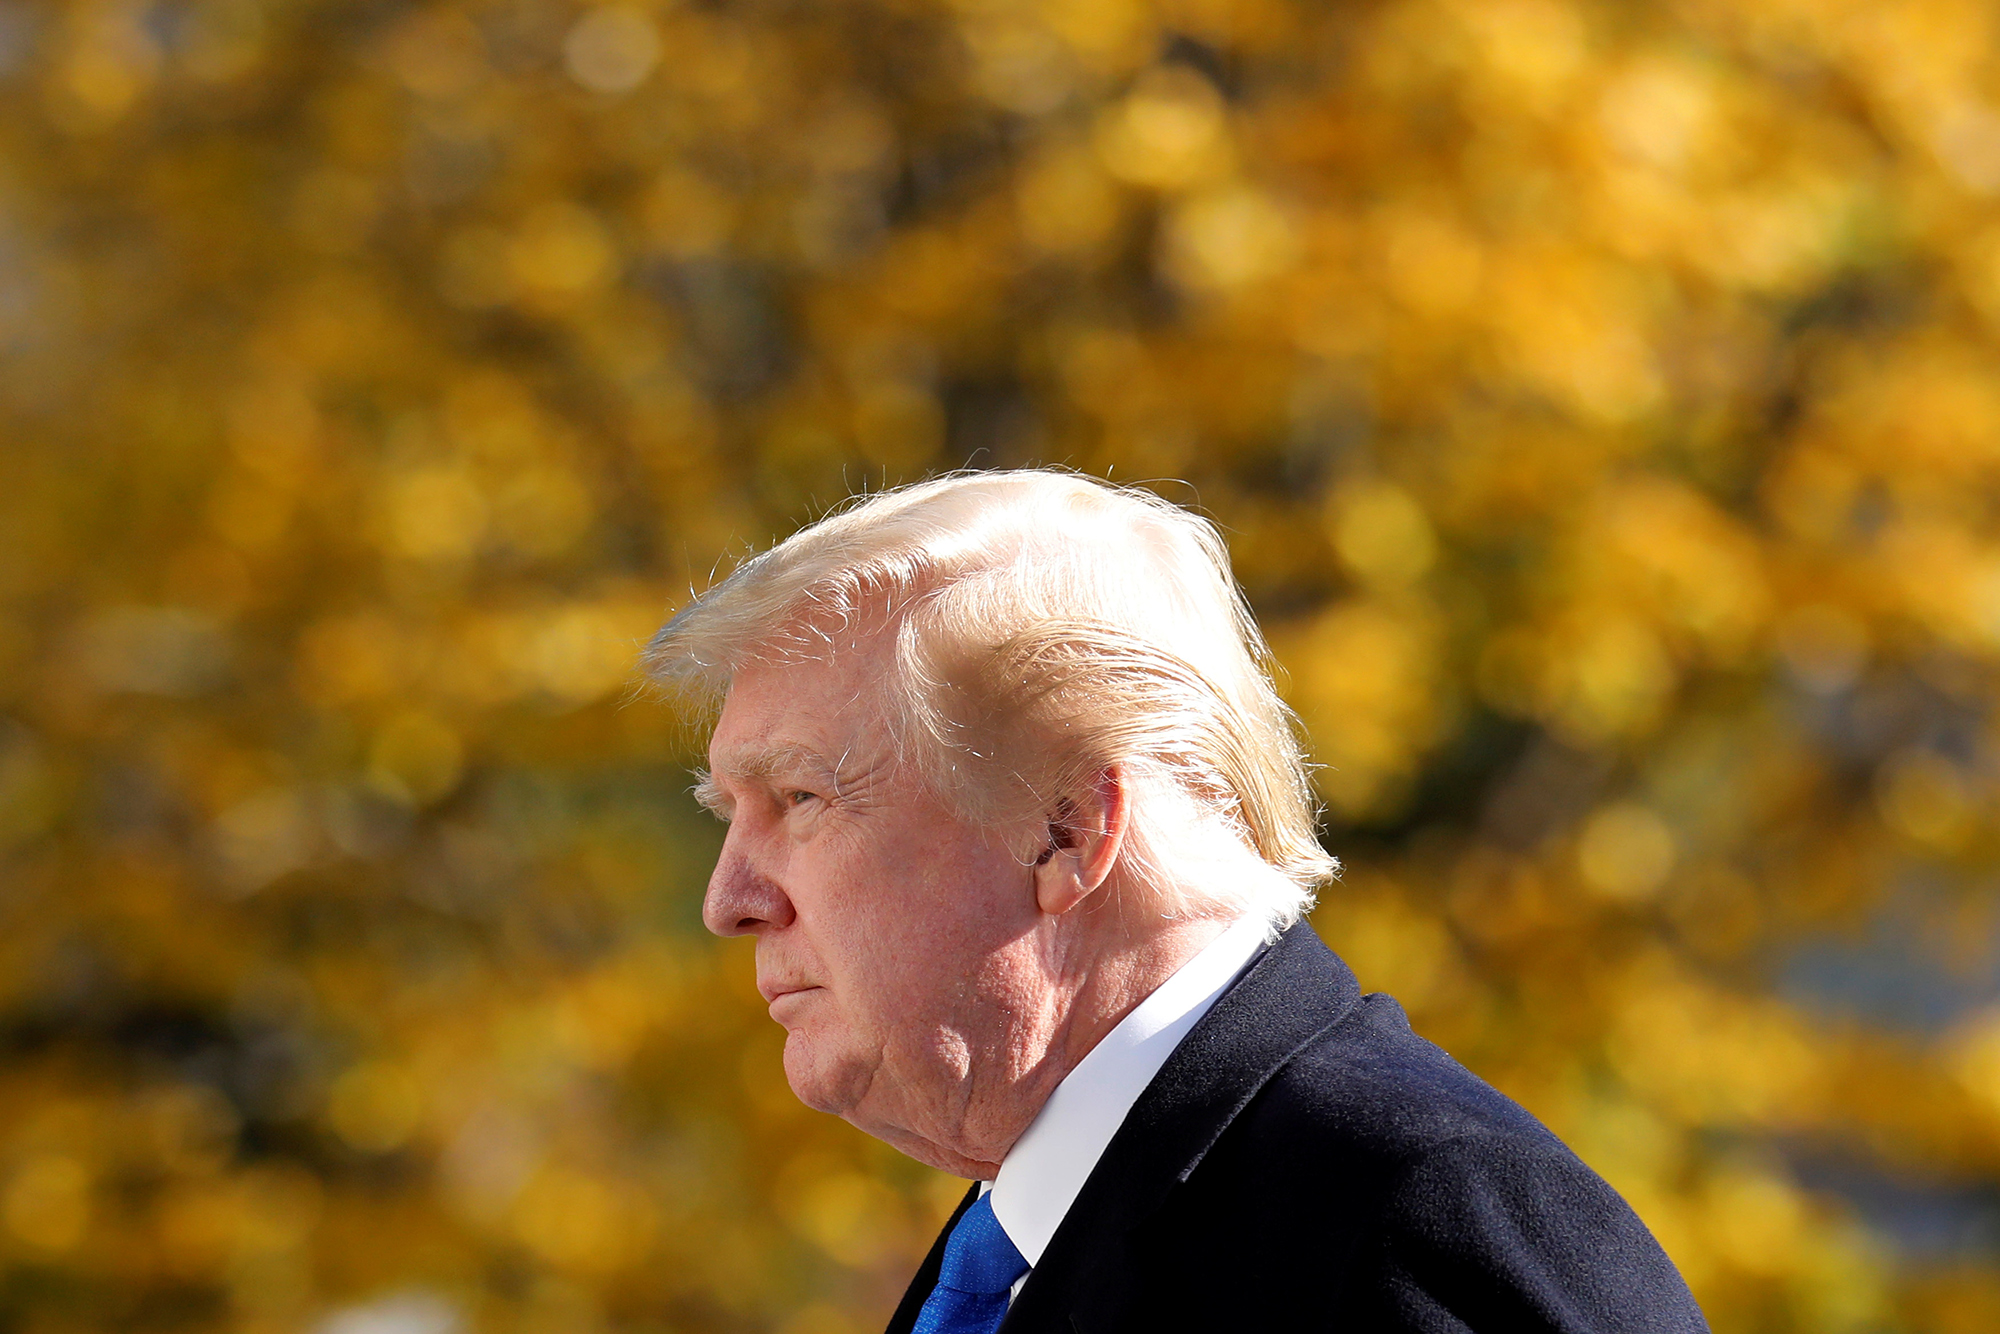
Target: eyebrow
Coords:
[[708, 796], [762, 766]]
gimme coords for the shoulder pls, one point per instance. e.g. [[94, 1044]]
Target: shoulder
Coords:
[[1441, 1202], [1369, 1104], [1295, 1062], [1368, 1086]]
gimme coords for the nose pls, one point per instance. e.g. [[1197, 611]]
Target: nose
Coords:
[[741, 899]]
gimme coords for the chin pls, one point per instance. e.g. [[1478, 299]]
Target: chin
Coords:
[[817, 1081]]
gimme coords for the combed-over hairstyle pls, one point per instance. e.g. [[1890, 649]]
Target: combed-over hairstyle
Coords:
[[1048, 627]]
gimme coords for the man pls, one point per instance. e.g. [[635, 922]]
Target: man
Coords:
[[1023, 835]]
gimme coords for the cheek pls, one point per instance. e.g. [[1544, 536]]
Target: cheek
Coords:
[[939, 952], [910, 920]]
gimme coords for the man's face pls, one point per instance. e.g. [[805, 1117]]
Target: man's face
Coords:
[[896, 943]]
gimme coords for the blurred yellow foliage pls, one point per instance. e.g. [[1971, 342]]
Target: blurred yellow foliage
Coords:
[[1598, 401]]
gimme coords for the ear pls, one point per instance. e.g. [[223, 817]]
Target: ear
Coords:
[[1085, 835]]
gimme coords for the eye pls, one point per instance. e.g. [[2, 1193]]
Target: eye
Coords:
[[797, 797]]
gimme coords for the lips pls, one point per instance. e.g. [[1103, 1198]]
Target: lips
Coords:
[[788, 1005], [772, 991]]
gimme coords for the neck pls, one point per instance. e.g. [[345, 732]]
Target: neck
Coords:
[[1114, 983], [1093, 972]]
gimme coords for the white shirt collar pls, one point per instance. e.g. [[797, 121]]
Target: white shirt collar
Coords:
[[1047, 1166]]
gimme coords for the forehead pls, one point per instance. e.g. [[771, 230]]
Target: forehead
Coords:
[[803, 712]]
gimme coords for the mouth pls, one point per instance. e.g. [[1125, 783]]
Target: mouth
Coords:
[[787, 1002], [777, 991]]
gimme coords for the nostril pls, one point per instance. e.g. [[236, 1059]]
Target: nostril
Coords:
[[742, 900]]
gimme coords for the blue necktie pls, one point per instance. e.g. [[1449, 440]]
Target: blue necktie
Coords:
[[980, 1265]]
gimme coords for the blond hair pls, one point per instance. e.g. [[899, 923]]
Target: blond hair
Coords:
[[1049, 627]]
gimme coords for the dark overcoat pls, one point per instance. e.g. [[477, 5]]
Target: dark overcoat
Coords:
[[1304, 1161]]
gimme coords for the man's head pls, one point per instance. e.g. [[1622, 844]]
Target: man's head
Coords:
[[992, 748]]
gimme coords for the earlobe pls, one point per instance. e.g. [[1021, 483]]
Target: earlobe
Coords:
[[1058, 887]]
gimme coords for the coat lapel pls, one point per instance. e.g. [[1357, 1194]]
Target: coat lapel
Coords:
[[1293, 991]]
